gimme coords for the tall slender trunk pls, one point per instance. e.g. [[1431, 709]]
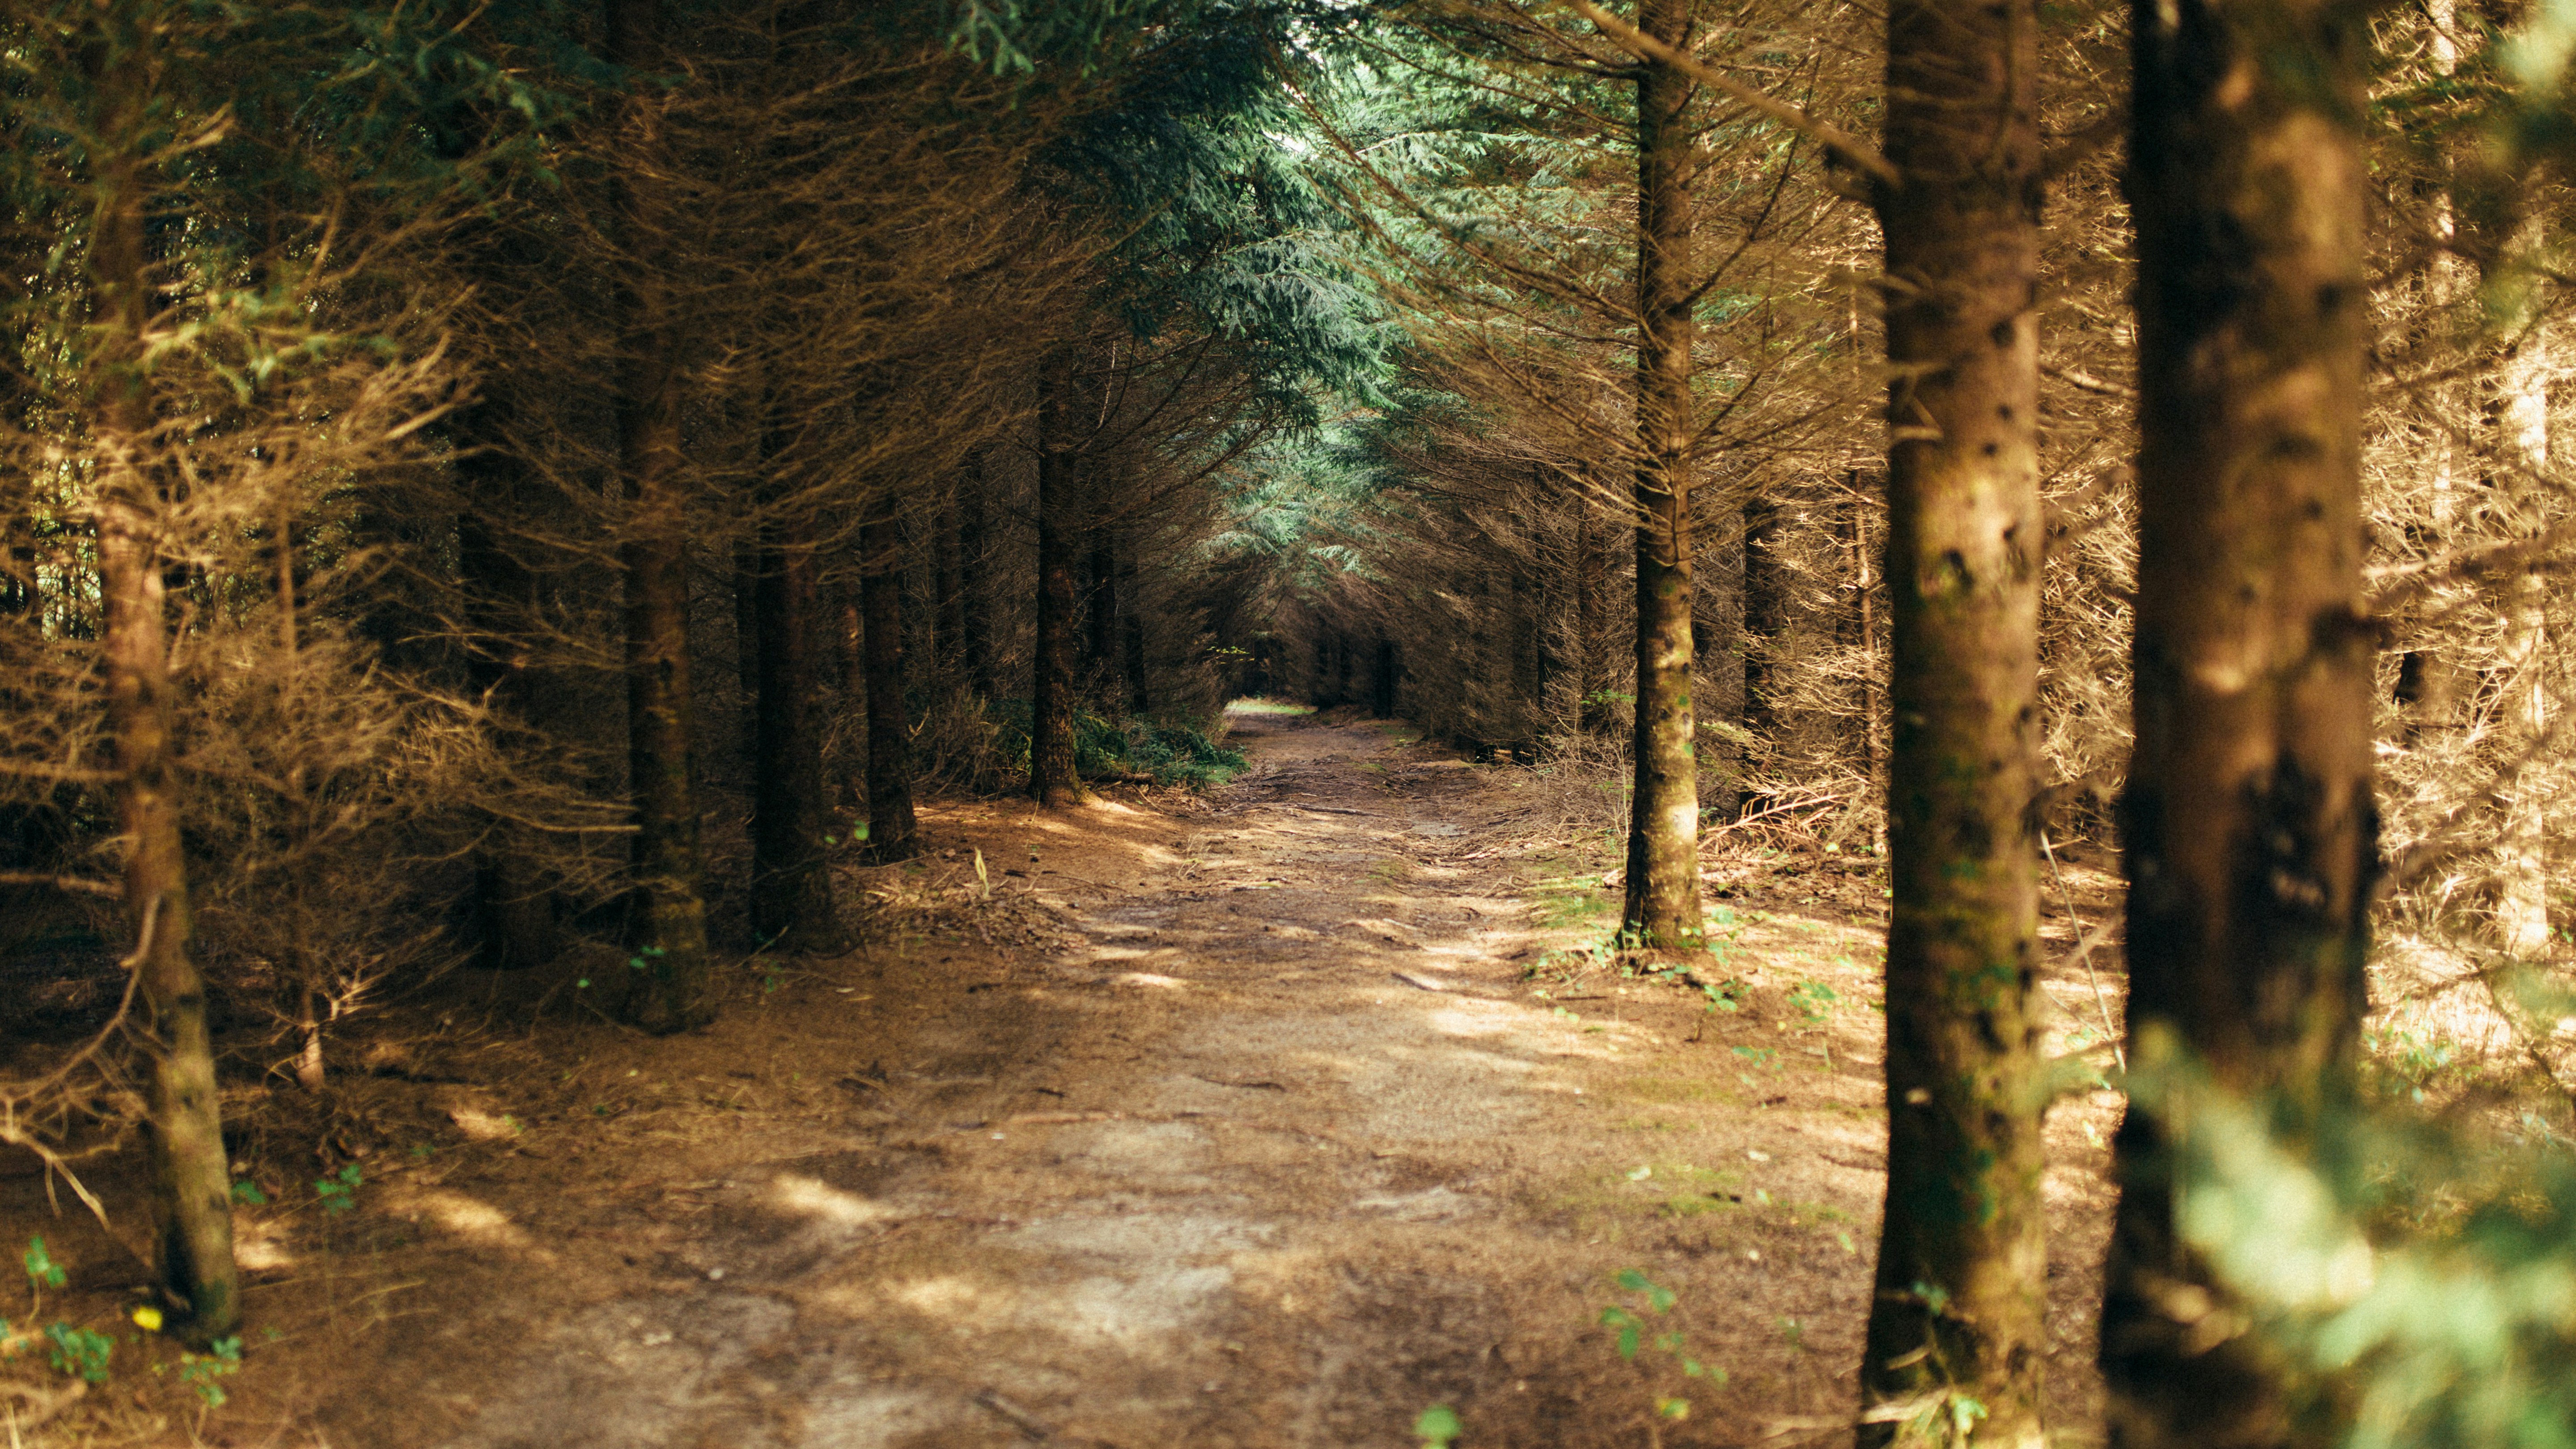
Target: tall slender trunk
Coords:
[[2518, 428], [1382, 681], [745, 581], [1591, 676], [975, 622], [849, 646], [1100, 643], [1865, 611], [2522, 843], [791, 879], [1663, 906], [191, 1178], [1765, 615], [2250, 828], [947, 579], [1718, 669], [670, 983], [1053, 778], [892, 831], [1962, 1289], [1131, 623], [303, 966], [514, 906]]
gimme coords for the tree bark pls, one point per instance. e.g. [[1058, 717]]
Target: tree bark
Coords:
[[1663, 907], [849, 647], [2250, 826], [670, 979], [1140, 685], [2518, 429], [892, 832], [791, 881], [947, 579], [1962, 1252], [746, 641], [514, 906], [1100, 644], [1053, 779], [1865, 611], [975, 640], [191, 1177], [1591, 676]]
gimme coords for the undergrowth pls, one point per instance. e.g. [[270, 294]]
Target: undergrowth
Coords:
[[1168, 752]]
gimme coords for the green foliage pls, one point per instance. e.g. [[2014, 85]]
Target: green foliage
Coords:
[[42, 1270], [247, 1193], [1634, 1335], [2427, 1266], [338, 1192], [204, 1373], [1171, 753], [1438, 1427], [1814, 1001], [81, 1352]]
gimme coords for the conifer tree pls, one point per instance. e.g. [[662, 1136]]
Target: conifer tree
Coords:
[[2249, 823]]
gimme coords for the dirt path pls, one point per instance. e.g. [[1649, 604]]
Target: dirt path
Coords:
[[1279, 1144]]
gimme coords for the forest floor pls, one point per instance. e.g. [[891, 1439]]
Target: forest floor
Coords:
[[1269, 1117]]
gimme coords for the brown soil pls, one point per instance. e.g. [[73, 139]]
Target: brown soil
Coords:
[[1267, 1119]]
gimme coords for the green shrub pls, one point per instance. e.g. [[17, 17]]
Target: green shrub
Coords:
[[2422, 1270]]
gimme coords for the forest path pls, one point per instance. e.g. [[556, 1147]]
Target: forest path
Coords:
[[1282, 1147]]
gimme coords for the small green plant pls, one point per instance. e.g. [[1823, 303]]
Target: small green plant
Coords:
[[339, 1191], [204, 1373], [1726, 996], [1438, 1427], [1814, 1001], [1632, 1338], [80, 1352], [247, 1193], [1759, 1056], [42, 1273]]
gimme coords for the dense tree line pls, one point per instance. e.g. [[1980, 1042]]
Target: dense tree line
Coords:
[[523, 483]]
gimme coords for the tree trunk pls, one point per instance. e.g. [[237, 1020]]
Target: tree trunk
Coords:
[[746, 642], [849, 644], [1100, 645], [947, 580], [191, 1177], [1591, 677], [1140, 688], [1962, 1253], [1717, 694], [1765, 616], [2519, 427], [2522, 844], [1382, 681], [791, 881], [2249, 826], [671, 986], [514, 907], [1865, 610], [975, 638], [1663, 906], [1053, 778], [892, 832]]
